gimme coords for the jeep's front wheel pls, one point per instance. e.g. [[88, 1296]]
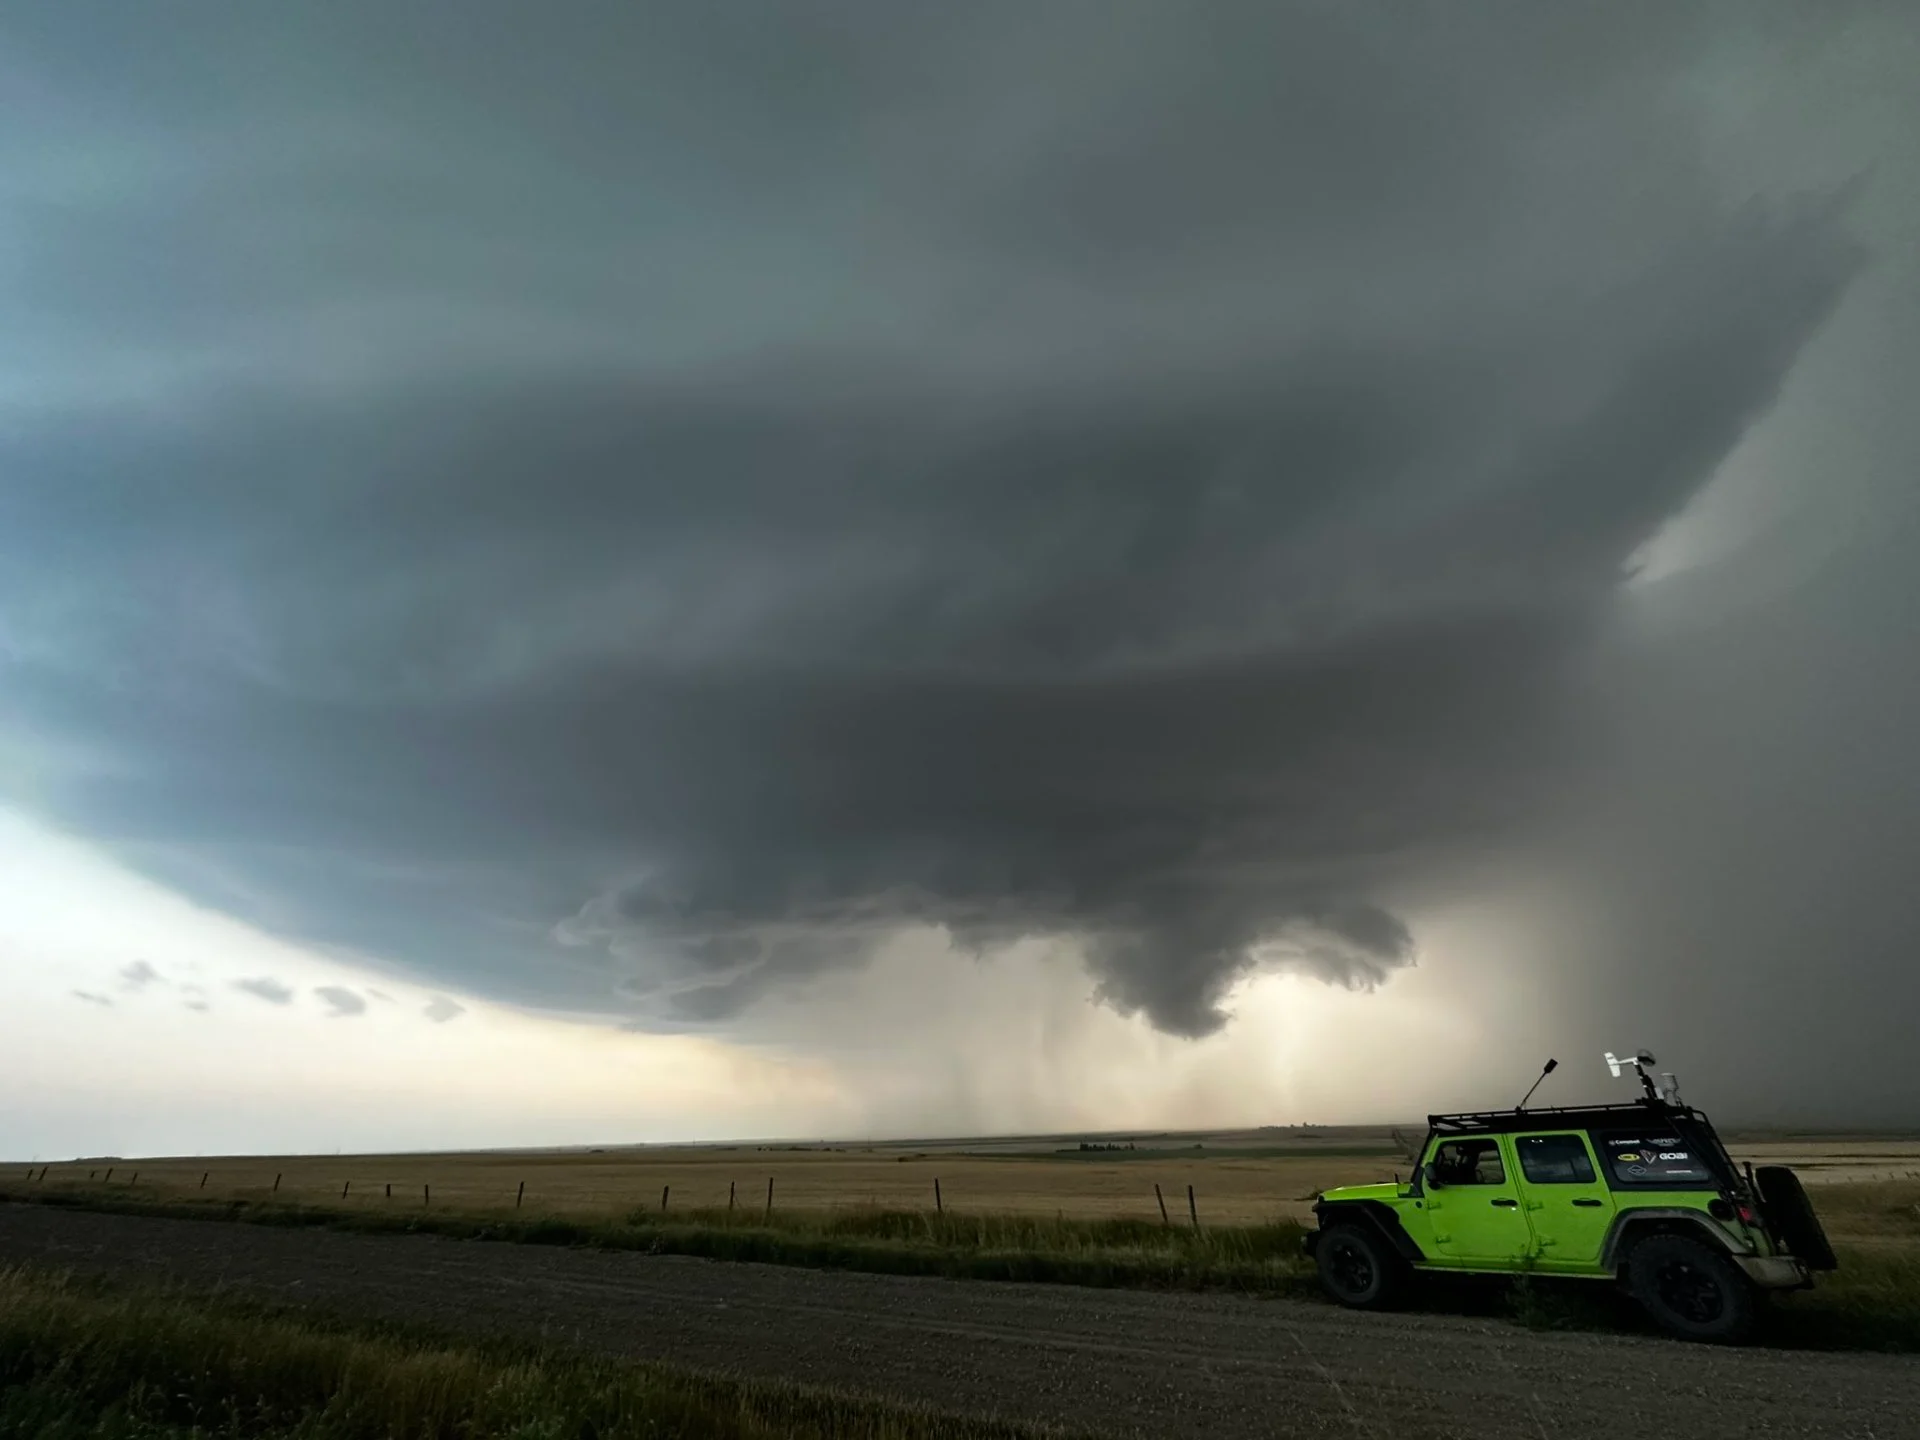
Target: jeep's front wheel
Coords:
[[1692, 1290], [1358, 1268]]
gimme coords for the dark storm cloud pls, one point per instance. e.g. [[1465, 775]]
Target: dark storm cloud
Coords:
[[440, 1010], [1073, 472], [139, 975]]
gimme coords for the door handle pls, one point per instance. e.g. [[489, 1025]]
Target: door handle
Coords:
[[1509, 1204], [1591, 1203]]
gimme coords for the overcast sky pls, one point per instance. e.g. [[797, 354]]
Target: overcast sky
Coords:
[[691, 570]]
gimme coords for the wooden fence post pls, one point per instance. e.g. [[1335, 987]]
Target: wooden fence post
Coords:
[[92, 1173], [203, 1178], [520, 1195], [663, 1198], [769, 1195], [1162, 1202], [344, 1188], [426, 1194], [276, 1184], [938, 1207], [133, 1179], [730, 1185], [109, 1174], [389, 1189], [1192, 1210]]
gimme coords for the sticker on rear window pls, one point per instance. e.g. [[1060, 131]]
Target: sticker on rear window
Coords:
[[1653, 1160]]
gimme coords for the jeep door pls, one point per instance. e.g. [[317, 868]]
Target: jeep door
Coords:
[[1568, 1203], [1475, 1209]]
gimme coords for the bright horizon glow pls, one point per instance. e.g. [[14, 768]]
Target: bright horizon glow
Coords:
[[936, 1045]]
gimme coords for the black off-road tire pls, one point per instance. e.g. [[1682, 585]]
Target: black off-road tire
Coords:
[[1358, 1267], [1692, 1290], [1791, 1215]]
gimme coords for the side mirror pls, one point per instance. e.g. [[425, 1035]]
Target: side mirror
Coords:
[[1431, 1175]]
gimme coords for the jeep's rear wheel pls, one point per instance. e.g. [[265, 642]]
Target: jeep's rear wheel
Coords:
[[1692, 1290], [1358, 1268]]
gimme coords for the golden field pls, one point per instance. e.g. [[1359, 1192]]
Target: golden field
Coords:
[[1238, 1178]]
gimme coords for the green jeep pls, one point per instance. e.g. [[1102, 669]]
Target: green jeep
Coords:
[[1642, 1194]]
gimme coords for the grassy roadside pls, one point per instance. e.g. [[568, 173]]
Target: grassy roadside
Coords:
[[1264, 1259], [1871, 1303], [86, 1359]]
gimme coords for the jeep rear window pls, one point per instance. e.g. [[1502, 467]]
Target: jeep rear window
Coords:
[[1644, 1157]]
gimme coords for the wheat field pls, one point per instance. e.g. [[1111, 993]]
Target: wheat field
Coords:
[[1237, 1178]]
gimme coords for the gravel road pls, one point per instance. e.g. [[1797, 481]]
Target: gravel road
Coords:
[[1117, 1361]]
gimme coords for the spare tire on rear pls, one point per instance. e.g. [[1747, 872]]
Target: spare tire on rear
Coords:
[[1790, 1213]]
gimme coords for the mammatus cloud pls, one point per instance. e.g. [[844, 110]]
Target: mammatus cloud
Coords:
[[1184, 528], [341, 1002], [266, 988], [440, 1010]]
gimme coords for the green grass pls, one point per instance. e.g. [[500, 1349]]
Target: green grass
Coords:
[[1264, 1259], [112, 1363], [1876, 1209], [1872, 1302]]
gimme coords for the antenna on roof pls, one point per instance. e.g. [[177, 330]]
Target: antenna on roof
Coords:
[[1550, 1067], [1640, 1061]]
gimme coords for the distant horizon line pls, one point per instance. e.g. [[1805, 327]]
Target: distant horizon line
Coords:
[[1383, 1129]]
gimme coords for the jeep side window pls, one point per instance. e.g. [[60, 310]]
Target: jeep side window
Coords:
[[1469, 1162], [1554, 1160]]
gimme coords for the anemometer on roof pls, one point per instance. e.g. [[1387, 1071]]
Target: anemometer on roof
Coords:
[[1668, 1089]]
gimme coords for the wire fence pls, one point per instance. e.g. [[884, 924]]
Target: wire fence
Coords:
[[466, 1191]]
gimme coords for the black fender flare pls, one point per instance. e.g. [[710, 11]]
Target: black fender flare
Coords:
[[1629, 1225], [1374, 1216]]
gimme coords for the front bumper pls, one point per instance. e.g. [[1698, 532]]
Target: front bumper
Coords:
[[1774, 1272]]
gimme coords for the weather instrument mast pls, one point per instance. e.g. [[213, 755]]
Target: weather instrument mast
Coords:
[[1667, 1091]]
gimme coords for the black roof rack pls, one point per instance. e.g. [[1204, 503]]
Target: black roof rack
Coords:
[[1505, 1122]]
